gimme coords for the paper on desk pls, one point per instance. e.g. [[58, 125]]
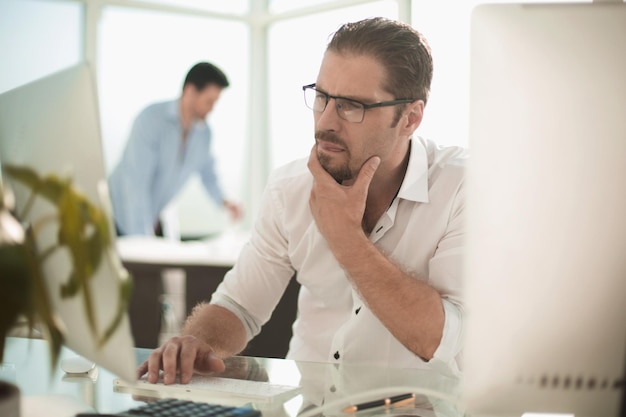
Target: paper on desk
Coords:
[[219, 251]]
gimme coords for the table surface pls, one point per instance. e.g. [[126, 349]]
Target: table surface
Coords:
[[332, 387], [221, 250]]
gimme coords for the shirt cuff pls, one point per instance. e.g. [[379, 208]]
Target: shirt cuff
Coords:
[[251, 326], [447, 356]]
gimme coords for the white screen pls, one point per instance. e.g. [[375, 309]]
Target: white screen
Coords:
[[51, 126], [546, 262]]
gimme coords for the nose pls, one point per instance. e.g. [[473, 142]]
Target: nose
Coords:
[[328, 119]]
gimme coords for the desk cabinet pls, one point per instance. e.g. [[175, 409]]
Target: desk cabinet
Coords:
[[201, 282]]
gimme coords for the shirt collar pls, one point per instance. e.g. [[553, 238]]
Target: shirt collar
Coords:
[[415, 184]]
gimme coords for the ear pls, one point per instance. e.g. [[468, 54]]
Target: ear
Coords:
[[190, 90], [412, 118]]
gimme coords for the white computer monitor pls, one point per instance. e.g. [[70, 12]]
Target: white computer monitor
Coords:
[[51, 126], [546, 260]]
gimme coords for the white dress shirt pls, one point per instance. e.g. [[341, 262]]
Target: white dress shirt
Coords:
[[422, 232]]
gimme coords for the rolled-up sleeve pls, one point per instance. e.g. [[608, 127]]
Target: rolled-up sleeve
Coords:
[[254, 286]]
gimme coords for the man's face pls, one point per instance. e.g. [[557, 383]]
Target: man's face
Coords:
[[205, 99], [344, 146]]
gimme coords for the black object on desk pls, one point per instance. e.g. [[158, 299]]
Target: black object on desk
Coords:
[[169, 407], [384, 402]]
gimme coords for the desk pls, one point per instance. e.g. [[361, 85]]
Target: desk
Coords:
[[321, 383], [204, 262]]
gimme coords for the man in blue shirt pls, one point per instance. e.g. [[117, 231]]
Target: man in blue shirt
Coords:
[[169, 142]]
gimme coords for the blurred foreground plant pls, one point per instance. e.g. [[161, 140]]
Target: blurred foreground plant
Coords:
[[83, 231]]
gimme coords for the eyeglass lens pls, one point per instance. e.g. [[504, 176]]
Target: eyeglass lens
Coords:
[[349, 110]]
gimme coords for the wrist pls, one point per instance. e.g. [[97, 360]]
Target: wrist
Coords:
[[351, 250]]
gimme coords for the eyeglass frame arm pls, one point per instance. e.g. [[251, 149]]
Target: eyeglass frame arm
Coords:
[[365, 106]]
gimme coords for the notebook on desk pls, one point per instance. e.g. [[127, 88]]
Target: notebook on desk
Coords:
[[224, 390]]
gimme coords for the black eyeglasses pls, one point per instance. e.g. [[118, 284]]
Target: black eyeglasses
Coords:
[[348, 109]]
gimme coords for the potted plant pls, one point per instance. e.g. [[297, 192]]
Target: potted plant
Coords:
[[81, 230]]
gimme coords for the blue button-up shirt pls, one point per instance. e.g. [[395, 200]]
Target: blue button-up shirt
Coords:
[[155, 166]]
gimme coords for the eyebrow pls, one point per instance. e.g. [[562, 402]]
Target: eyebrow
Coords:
[[361, 100]]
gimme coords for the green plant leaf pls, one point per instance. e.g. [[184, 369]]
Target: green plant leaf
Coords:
[[83, 229]]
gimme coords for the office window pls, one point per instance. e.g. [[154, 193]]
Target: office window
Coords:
[[279, 6], [446, 113], [143, 57], [446, 25], [294, 64], [219, 6], [38, 38]]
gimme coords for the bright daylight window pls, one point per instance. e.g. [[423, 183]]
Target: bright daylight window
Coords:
[[144, 54], [139, 67], [30, 34], [292, 65]]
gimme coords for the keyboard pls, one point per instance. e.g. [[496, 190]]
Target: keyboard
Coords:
[[206, 387], [169, 407]]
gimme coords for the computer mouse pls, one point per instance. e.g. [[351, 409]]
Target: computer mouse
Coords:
[[77, 365]]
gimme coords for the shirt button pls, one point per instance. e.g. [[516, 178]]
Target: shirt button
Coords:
[[336, 355]]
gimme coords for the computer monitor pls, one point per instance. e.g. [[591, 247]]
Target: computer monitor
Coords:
[[546, 257], [51, 126]]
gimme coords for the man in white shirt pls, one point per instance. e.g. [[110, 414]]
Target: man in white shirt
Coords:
[[371, 224]]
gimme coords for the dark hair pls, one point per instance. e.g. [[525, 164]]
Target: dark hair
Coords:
[[204, 73], [402, 50]]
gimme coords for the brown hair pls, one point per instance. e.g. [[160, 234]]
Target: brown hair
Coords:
[[402, 50]]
